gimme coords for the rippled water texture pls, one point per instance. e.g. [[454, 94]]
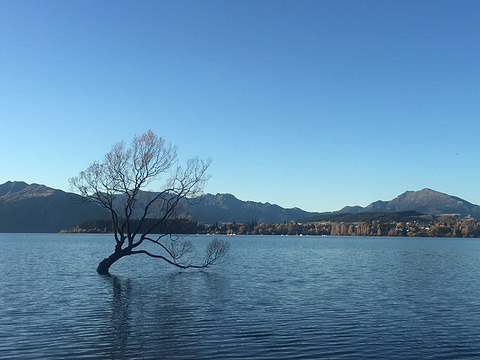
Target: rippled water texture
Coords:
[[275, 298]]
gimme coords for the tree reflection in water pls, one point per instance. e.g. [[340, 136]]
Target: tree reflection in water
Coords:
[[163, 317]]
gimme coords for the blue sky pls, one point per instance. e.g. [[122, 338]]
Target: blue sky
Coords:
[[315, 104]]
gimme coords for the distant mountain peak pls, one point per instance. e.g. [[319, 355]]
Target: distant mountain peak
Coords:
[[425, 201], [17, 190], [12, 186]]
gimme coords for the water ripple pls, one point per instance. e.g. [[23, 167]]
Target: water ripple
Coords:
[[276, 298]]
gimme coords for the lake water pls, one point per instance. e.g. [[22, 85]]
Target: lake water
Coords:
[[274, 298]]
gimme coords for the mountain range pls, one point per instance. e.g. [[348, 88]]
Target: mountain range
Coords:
[[38, 208], [227, 208]]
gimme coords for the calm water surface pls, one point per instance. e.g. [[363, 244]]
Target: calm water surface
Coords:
[[275, 298]]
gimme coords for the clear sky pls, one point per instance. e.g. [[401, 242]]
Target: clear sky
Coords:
[[314, 104]]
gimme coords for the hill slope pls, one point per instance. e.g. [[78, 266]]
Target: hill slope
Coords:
[[37, 208]]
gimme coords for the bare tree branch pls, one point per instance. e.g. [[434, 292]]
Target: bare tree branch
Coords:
[[119, 183]]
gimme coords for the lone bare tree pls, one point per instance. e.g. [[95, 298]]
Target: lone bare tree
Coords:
[[118, 184]]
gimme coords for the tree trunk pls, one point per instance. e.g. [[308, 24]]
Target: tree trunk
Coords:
[[107, 262]]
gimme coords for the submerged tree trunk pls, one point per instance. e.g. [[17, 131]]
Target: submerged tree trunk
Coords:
[[105, 264]]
